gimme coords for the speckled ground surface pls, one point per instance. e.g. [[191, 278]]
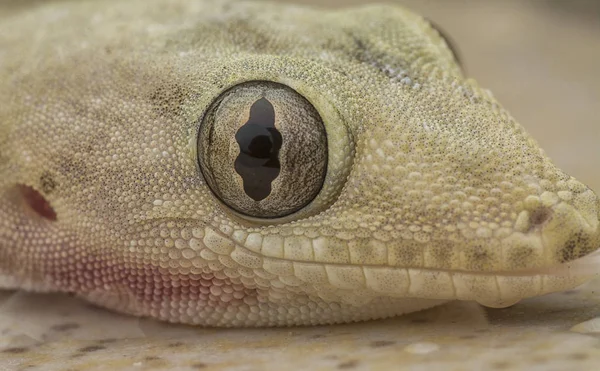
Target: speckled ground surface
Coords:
[[44, 332], [540, 59]]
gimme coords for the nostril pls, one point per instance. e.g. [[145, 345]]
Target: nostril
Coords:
[[540, 216], [37, 202], [533, 219]]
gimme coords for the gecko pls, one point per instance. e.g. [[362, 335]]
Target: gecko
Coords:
[[225, 163]]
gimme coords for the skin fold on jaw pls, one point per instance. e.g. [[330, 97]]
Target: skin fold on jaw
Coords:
[[110, 188]]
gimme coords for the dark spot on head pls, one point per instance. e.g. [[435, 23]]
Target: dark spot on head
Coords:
[[240, 30], [368, 55], [382, 343], [317, 336], [199, 365], [246, 33], [168, 100], [540, 216], [91, 348], [175, 345], [15, 350], [348, 364], [360, 49], [65, 327], [151, 358], [47, 183]]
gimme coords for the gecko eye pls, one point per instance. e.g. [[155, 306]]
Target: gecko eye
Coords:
[[262, 149]]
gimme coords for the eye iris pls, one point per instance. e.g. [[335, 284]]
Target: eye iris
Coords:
[[262, 150], [258, 162]]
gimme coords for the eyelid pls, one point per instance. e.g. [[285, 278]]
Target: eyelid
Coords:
[[292, 73]]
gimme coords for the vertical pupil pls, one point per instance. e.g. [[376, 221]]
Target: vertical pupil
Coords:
[[259, 142]]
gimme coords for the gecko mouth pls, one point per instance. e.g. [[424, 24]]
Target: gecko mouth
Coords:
[[584, 266], [36, 202]]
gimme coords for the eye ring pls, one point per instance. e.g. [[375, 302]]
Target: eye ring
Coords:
[[263, 150]]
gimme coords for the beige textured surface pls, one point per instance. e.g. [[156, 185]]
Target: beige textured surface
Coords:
[[531, 56], [533, 335]]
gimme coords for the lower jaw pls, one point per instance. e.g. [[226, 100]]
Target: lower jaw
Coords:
[[511, 287]]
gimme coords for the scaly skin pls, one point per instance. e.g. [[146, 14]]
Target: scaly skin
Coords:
[[433, 192]]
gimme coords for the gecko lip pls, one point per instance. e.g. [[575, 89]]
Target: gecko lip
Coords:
[[37, 202], [576, 253], [588, 265]]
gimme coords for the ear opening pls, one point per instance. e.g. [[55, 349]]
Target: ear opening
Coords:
[[37, 202]]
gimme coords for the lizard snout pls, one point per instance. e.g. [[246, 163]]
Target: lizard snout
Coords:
[[567, 223], [573, 232], [555, 246]]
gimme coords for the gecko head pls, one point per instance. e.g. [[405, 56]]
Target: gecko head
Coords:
[[300, 167]]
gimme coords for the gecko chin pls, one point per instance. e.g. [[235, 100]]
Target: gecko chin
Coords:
[[535, 282], [501, 289]]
